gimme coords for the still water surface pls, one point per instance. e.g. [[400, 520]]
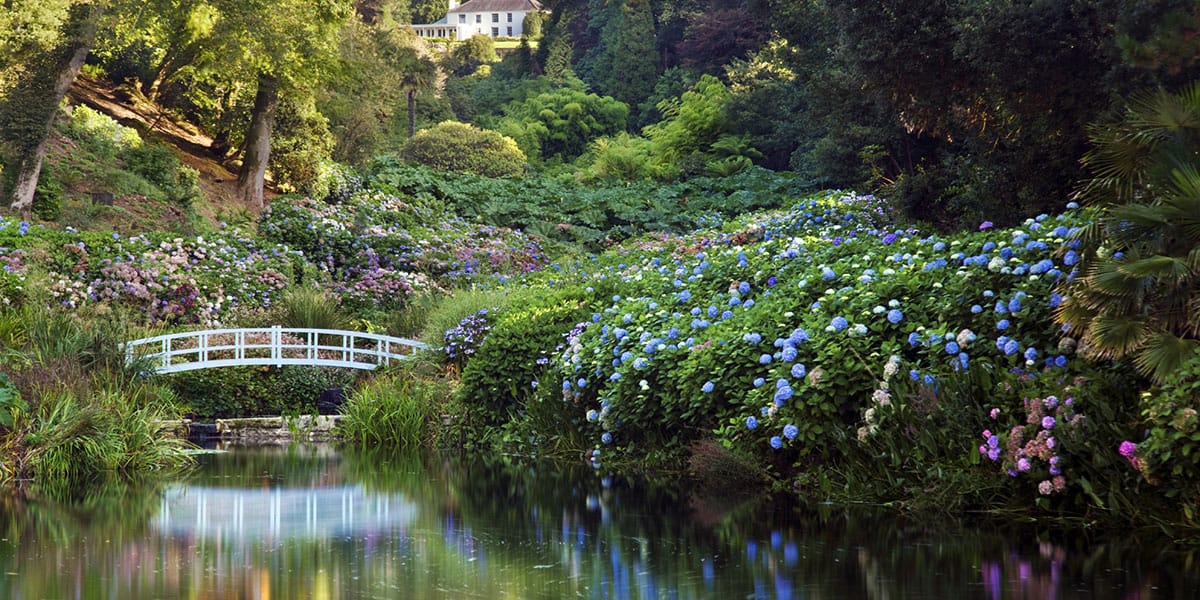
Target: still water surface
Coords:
[[310, 522]]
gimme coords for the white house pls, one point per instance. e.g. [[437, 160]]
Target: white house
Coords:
[[493, 18]]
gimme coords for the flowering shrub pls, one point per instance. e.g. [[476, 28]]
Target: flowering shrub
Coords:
[[381, 248], [170, 280], [1171, 449], [790, 353], [1035, 447], [463, 340]]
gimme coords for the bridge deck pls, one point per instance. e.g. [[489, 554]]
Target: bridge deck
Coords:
[[273, 346]]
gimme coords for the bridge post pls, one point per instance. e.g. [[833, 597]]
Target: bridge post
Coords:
[[276, 344]]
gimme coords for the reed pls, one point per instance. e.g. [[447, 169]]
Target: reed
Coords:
[[392, 411]]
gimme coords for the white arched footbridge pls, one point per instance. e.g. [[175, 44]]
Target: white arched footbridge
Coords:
[[268, 346]]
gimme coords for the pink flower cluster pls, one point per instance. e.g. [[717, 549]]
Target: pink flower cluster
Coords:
[[1034, 448]]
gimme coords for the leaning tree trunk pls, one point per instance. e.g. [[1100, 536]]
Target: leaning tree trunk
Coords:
[[258, 141], [31, 108]]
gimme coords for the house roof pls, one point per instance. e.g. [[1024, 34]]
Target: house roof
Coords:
[[497, 6]]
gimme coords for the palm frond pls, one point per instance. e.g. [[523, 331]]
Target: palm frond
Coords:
[[1115, 337], [1163, 354], [1157, 267]]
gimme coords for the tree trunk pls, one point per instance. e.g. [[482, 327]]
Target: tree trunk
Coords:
[[258, 141], [412, 113], [29, 112]]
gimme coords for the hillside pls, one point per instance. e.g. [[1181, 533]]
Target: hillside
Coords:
[[85, 174]]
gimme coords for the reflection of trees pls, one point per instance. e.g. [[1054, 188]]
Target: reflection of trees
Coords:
[[492, 528]]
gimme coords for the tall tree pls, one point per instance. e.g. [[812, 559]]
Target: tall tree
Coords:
[[625, 63], [280, 47], [31, 106]]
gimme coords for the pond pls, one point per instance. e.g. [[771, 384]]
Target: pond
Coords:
[[312, 522]]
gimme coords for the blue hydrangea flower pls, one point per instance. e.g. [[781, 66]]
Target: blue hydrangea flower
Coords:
[[640, 363], [839, 323], [1060, 361], [776, 442], [765, 359], [914, 339], [1014, 305], [952, 348], [752, 338], [1002, 324], [606, 438], [914, 374], [759, 381], [798, 336], [798, 370], [707, 388], [790, 431], [1048, 422], [582, 383], [751, 422], [614, 377], [789, 354], [894, 316], [1031, 354], [1011, 347], [744, 287], [783, 394], [827, 273]]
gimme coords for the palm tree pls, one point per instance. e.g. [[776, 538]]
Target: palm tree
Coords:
[[418, 73], [1136, 294]]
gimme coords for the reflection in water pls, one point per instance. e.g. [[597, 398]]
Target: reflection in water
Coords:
[[306, 522], [258, 516]]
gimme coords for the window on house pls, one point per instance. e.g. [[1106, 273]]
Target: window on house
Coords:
[[509, 32], [478, 18], [495, 17], [510, 17], [462, 18], [495, 32]]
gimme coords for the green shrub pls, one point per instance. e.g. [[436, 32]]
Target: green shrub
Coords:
[[153, 162], [452, 146], [227, 392], [48, 197], [504, 371], [1170, 454], [99, 133]]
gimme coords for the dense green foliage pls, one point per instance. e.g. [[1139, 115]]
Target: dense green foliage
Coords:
[[462, 148], [562, 209]]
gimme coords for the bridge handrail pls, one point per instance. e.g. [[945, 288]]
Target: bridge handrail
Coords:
[[198, 356]]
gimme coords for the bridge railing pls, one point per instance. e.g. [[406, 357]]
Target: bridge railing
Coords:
[[273, 346]]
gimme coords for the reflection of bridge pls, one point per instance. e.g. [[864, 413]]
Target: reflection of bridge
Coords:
[[273, 346], [277, 513]]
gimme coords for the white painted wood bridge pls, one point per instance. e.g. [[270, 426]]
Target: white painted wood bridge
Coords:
[[268, 346]]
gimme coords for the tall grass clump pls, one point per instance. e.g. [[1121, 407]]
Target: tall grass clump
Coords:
[[312, 308], [394, 411], [72, 442], [452, 309]]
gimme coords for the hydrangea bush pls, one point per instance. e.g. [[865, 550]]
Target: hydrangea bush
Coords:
[[380, 249], [169, 279], [789, 332]]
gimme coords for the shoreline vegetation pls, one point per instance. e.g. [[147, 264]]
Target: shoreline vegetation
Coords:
[[814, 348], [754, 244]]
